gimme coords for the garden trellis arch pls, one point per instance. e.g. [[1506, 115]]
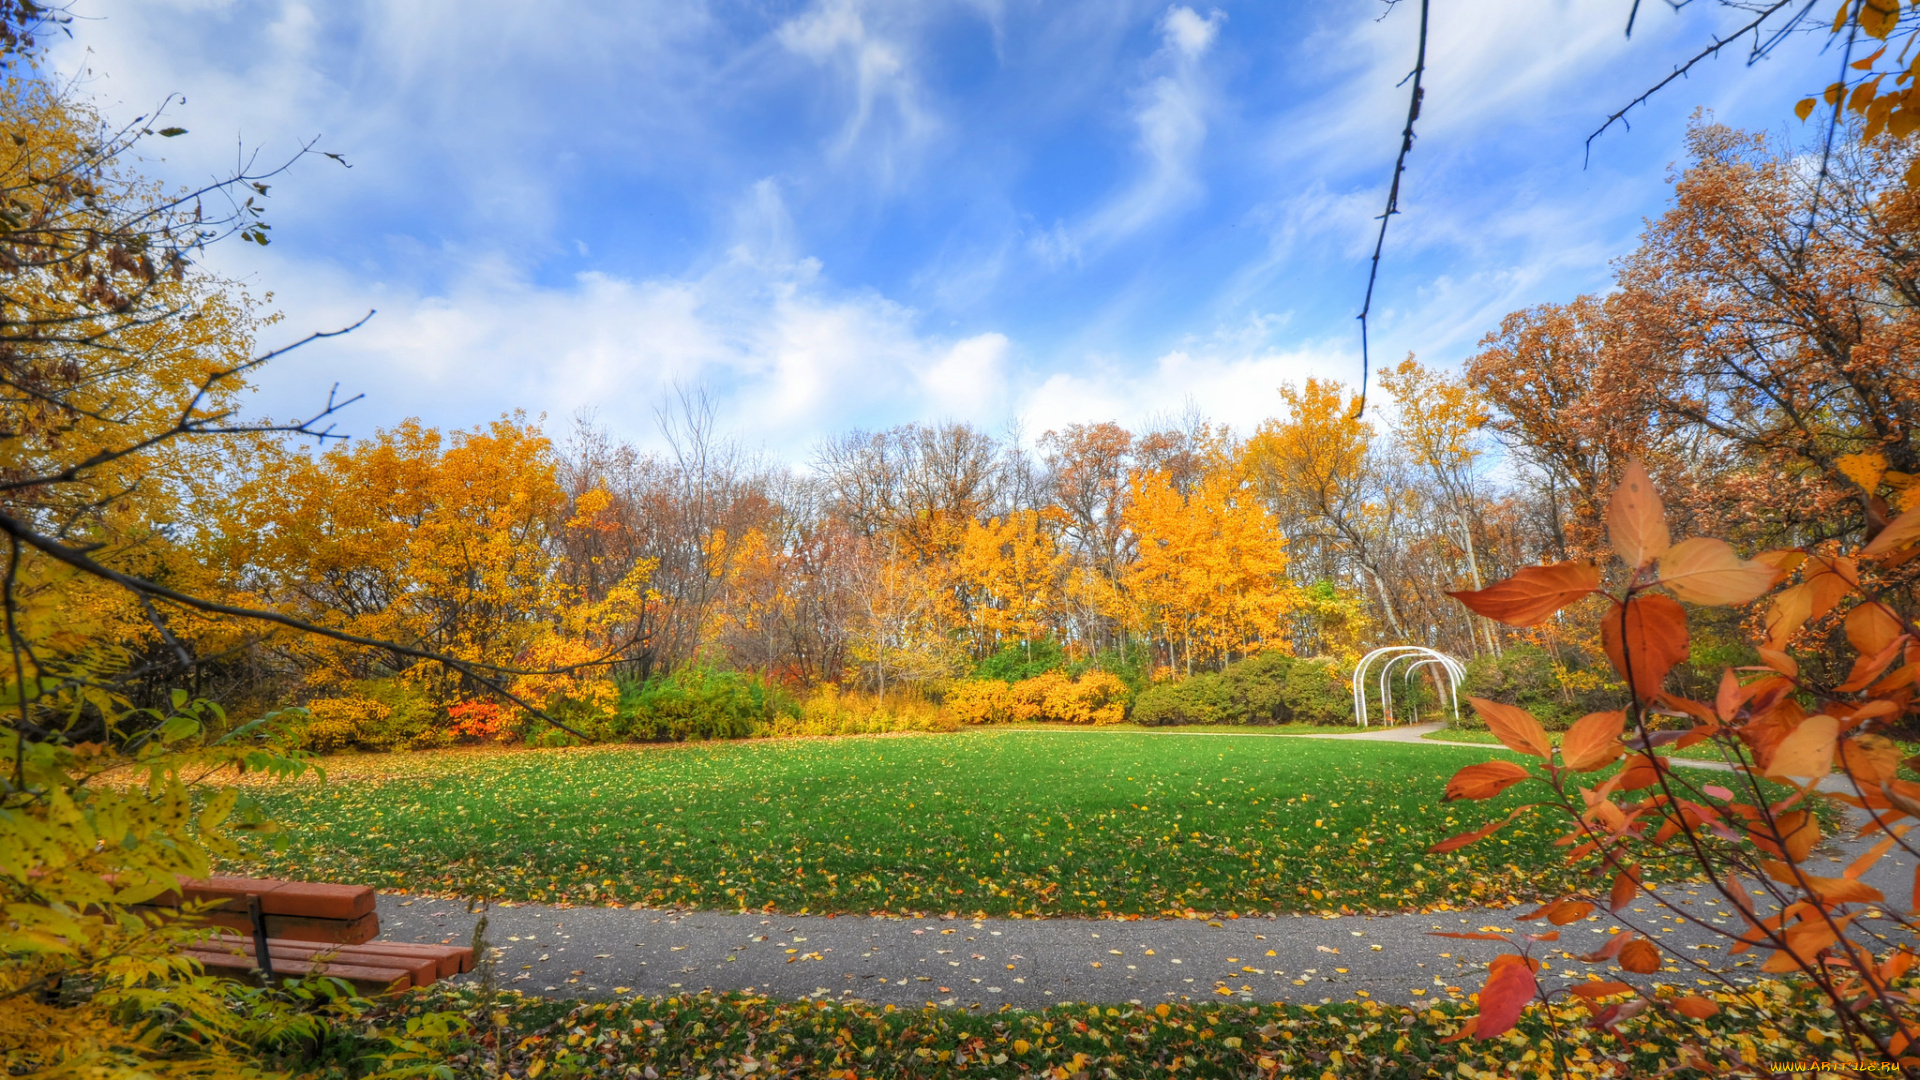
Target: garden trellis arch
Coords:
[[1420, 656]]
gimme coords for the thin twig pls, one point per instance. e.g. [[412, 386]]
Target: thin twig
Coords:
[[1680, 71], [1393, 204]]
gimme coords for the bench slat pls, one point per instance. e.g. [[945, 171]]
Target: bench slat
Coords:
[[297, 928], [307, 899], [424, 970], [365, 977]]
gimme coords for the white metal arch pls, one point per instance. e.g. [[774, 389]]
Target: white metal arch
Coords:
[[1388, 656]]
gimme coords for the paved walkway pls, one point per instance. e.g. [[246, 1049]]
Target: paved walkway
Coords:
[[1030, 962]]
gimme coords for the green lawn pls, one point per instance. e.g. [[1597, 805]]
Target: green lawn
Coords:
[[994, 821]]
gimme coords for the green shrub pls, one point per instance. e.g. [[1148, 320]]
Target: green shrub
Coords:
[[375, 714], [694, 704], [1318, 691], [1022, 660], [1202, 699], [1528, 676], [1266, 688]]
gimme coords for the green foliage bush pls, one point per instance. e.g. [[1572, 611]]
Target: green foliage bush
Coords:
[[1023, 660], [1018, 662], [1267, 688], [1528, 676], [698, 703], [377, 715]]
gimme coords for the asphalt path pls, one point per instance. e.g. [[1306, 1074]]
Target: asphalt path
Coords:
[[984, 963]]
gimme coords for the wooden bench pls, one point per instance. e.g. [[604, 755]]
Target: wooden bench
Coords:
[[300, 928], [293, 910], [376, 967]]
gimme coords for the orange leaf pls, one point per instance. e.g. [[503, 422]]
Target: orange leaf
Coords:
[[1515, 728], [1871, 759], [1790, 611], [1636, 522], [1799, 830], [1706, 571], [1593, 742], [1804, 109], [1626, 884], [1591, 990], [1871, 628], [1807, 750], [1509, 987], [1779, 661], [1454, 843], [1878, 17], [1568, 911], [1726, 701], [1531, 595], [1900, 533], [1828, 890], [1640, 957], [1484, 781], [1695, 1007], [1804, 941], [1651, 631]]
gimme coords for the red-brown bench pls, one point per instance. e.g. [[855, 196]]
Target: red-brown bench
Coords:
[[301, 928], [377, 966], [293, 910]]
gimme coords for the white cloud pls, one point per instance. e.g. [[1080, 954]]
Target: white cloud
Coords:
[[1190, 33], [838, 33], [788, 356], [1229, 380], [1170, 121]]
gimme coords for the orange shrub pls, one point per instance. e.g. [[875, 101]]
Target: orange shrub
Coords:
[[980, 701], [481, 720], [1097, 697]]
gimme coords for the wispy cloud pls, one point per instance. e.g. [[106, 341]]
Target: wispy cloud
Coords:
[[1170, 118], [886, 108], [786, 353]]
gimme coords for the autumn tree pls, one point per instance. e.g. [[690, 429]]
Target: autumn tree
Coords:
[[1210, 581], [1319, 470], [438, 542], [1437, 422], [122, 365], [918, 483], [1013, 569]]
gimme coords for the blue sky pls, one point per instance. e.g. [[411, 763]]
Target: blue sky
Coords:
[[835, 213]]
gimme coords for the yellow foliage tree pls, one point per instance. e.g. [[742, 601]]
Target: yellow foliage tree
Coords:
[[440, 542], [1013, 569], [1211, 577]]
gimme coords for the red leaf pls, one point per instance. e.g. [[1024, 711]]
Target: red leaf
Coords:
[[1640, 957], [1515, 728], [1468, 935], [1652, 631], [1530, 596], [1454, 843], [1484, 781], [1626, 884], [1509, 987]]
